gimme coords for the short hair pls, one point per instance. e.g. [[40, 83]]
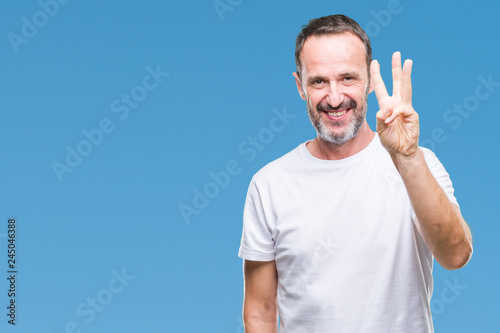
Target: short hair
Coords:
[[331, 25]]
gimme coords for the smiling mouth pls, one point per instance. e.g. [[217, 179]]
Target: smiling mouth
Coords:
[[337, 114]]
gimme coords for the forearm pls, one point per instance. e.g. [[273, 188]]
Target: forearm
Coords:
[[260, 317], [442, 226]]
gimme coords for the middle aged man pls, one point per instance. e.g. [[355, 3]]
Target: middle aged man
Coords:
[[339, 235]]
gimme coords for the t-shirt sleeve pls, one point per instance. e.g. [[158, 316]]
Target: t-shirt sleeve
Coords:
[[257, 242], [440, 174]]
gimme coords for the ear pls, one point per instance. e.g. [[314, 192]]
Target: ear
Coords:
[[370, 88], [299, 86]]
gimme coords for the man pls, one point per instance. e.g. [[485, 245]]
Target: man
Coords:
[[339, 235]]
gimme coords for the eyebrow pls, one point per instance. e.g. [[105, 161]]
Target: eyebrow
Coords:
[[344, 74], [316, 77], [352, 74]]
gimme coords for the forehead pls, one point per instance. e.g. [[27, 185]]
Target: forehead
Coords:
[[343, 52]]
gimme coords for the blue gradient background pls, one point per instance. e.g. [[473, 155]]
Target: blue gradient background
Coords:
[[120, 207]]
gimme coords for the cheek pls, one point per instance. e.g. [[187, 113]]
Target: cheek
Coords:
[[356, 92], [314, 96]]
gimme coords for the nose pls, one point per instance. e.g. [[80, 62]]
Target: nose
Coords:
[[334, 96]]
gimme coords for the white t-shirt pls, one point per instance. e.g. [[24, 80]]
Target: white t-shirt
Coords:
[[348, 253]]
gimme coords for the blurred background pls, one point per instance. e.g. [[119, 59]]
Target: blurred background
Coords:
[[130, 131]]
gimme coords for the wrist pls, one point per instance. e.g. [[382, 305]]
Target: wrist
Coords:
[[406, 163]]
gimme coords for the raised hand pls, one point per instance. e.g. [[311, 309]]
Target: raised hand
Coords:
[[397, 121]]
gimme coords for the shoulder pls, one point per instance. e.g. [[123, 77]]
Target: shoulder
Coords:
[[279, 166]]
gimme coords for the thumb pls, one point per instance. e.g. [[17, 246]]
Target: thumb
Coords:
[[382, 115]]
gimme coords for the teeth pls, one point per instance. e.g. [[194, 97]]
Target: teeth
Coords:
[[337, 114]]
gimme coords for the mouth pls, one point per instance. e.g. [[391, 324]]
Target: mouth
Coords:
[[337, 115]]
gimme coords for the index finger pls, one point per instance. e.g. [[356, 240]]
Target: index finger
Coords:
[[378, 83], [396, 74]]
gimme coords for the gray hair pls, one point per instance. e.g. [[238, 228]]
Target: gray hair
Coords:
[[331, 25]]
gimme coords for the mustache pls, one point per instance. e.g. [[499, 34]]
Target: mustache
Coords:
[[349, 104]]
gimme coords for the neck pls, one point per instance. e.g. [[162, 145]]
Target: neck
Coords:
[[325, 150]]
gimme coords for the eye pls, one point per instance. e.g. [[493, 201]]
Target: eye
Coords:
[[349, 80], [318, 82]]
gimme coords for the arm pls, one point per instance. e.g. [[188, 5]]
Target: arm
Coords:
[[442, 226], [259, 305], [441, 223]]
